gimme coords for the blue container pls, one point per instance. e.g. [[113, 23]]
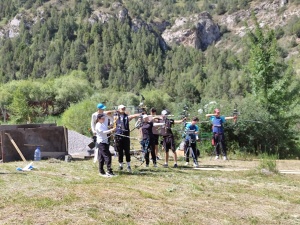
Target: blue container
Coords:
[[37, 154]]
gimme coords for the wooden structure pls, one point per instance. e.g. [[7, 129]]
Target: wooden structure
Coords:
[[18, 142]]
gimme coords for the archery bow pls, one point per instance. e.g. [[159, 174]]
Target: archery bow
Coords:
[[235, 114]]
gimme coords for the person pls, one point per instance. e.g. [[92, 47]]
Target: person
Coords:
[[148, 140], [218, 132], [191, 136], [122, 136], [155, 132], [103, 145], [168, 137], [108, 120]]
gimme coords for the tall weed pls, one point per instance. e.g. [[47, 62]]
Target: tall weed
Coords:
[[268, 162]]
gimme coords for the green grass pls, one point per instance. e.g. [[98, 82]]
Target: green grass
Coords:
[[57, 192]]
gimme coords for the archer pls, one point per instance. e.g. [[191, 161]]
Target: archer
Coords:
[[218, 132]]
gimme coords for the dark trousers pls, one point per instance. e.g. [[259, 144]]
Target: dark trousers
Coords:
[[219, 143], [104, 157], [149, 146], [187, 151], [123, 146]]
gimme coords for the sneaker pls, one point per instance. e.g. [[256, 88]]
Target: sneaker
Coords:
[[120, 167], [224, 158], [196, 165], [129, 169], [110, 174], [154, 165], [165, 165], [217, 157], [186, 164], [157, 158], [102, 173], [175, 165]]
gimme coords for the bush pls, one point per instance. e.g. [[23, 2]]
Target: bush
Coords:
[[78, 116]]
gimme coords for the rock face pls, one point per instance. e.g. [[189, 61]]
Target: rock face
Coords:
[[198, 31], [266, 13], [137, 24]]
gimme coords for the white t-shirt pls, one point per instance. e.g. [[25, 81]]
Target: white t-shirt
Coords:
[[101, 132]]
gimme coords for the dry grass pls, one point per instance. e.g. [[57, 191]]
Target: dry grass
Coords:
[[74, 193]]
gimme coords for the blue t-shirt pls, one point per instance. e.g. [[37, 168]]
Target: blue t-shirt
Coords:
[[217, 123], [190, 131]]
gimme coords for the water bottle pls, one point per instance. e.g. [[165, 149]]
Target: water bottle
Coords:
[[37, 154]]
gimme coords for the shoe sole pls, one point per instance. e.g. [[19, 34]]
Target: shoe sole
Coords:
[[103, 175], [107, 175]]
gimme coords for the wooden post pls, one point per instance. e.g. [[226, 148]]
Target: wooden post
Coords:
[[66, 138], [16, 146]]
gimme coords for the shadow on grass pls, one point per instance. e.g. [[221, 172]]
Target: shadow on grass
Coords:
[[152, 171], [212, 166], [14, 173]]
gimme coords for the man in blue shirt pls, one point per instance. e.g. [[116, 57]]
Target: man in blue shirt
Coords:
[[191, 136], [218, 132]]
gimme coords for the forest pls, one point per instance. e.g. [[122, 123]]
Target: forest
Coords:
[[61, 66]]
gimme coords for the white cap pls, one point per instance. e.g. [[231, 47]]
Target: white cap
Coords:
[[164, 112], [121, 106], [145, 116]]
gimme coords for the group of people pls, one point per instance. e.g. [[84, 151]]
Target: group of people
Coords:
[[104, 123]]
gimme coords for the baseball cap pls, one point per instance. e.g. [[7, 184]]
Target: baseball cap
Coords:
[[101, 106], [121, 106], [164, 112], [217, 110], [99, 116], [145, 116]]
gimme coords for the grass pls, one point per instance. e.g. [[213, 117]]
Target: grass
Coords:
[[57, 192], [268, 163]]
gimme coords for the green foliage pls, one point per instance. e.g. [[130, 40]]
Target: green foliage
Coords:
[[272, 80], [293, 26], [78, 116], [157, 99], [70, 89], [19, 108], [221, 8]]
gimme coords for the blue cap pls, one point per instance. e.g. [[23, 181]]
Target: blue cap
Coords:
[[101, 106]]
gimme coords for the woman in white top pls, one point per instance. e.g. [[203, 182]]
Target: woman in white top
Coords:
[[103, 145]]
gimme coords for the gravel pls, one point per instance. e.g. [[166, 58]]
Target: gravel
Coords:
[[78, 143]]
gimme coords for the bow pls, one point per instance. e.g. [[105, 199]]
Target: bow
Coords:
[[184, 113], [141, 108], [235, 113]]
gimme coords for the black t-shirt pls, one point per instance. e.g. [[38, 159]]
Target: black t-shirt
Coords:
[[147, 130], [167, 129]]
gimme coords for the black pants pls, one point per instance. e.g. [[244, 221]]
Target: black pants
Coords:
[[219, 143], [122, 145], [104, 157], [187, 151]]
